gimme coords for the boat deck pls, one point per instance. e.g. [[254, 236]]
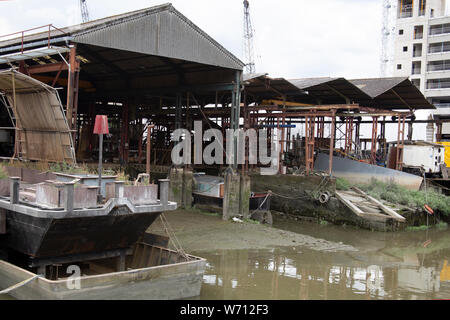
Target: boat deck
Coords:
[[151, 272]]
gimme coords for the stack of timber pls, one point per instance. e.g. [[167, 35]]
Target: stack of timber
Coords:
[[367, 207]]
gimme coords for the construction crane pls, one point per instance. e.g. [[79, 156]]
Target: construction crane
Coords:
[[84, 11], [249, 55]]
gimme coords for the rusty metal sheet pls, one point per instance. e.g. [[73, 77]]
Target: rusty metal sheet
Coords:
[[43, 131], [53, 196], [29, 175], [141, 194]]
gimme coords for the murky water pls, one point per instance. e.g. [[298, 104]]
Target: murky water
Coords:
[[406, 265]]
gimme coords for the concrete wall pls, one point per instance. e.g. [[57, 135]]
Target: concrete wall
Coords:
[[293, 194]]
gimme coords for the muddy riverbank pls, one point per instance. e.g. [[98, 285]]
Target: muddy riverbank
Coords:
[[201, 231], [292, 260]]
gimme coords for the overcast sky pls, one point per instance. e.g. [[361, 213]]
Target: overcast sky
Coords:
[[294, 38]]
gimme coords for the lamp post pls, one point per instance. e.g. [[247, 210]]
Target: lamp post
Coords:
[[100, 128]]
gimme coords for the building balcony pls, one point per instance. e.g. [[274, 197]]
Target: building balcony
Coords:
[[442, 105], [405, 14]]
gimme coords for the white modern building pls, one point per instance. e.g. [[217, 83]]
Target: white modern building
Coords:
[[422, 50]]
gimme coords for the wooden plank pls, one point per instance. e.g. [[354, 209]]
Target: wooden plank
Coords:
[[160, 256], [350, 205], [142, 260], [384, 208]]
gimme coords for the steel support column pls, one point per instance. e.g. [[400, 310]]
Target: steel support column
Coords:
[[235, 115], [400, 142], [309, 143], [348, 135], [373, 146], [140, 137], [178, 112], [383, 138], [439, 131], [72, 92], [124, 135], [332, 137]]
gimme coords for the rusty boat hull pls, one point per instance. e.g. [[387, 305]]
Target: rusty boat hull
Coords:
[[42, 237]]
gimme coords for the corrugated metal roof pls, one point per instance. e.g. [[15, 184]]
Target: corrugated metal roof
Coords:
[[393, 93], [259, 84], [374, 93], [376, 86], [305, 83], [250, 76], [160, 30], [331, 90]]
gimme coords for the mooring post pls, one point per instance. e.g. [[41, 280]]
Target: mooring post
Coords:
[[121, 261], [231, 198], [14, 184], [176, 186], [68, 192], [188, 178], [244, 196], [41, 270], [118, 189], [164, 191]]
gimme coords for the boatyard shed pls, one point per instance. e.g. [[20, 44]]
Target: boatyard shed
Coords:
[[132, 66]]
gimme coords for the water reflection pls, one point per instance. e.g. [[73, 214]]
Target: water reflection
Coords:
[[397, 267]]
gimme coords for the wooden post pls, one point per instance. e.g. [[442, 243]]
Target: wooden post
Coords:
[[121, 261]]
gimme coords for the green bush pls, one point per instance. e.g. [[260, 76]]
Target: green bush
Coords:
[[342, 184], [418, 228], [3, 173], [415, 199]]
